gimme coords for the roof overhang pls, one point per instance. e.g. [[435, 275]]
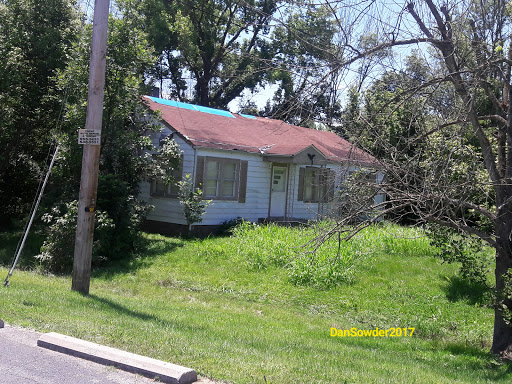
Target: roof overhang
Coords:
[[309, 155]]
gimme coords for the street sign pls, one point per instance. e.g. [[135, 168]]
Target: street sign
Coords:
[[89, 136]]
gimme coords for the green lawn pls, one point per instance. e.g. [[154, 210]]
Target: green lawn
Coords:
[[228, 308]]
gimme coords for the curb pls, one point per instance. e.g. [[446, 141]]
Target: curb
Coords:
[[130, 362]]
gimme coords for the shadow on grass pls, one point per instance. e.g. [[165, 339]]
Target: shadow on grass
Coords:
[[128, 312], [147, 250], [459, 289], [120, 309], [485, 359]]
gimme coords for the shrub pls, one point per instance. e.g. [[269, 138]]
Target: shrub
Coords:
[[194, 207], [115, 198], [469, 251], [272, 245], [58, 249]]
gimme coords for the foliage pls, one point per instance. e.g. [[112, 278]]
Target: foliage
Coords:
[[194, 207], [231, 49], [442, 127], [125, 158], [127, 213], [35, 40], [165, 161], [58, 249], [220, 44], [228, 226], [504, 297], [302, 50], [470, 251], [261, 247]]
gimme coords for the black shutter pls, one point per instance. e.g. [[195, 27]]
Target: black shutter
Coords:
[[200, 172], [300, 192], [242, 190]]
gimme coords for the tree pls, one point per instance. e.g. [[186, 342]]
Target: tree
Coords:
[[220, 44], [302, 50], [459, 174], [35, 39], [125, 158], [194, 207]]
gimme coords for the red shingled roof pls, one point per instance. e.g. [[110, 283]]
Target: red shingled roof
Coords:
[[256, 134]]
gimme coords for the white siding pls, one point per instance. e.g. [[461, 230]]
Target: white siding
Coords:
[[167, 209], [312, 211], [258, 186], [257, 194]]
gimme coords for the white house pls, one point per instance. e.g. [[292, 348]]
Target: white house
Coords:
[[250, 167]]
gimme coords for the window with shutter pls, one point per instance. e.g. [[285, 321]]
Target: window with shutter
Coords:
[[161, 189], [316, 185], [222, 179]]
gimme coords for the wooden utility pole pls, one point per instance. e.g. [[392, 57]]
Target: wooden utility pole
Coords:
[[90, 160]]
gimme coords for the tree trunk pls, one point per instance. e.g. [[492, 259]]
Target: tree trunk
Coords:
[[502, 337]]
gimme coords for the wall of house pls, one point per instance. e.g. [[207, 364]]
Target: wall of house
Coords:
[[313, 211], [169, 210], [256, 207], [258, 186]]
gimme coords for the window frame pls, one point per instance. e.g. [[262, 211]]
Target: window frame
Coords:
[[239, 182], [321, 181], [171, 190], [220, 180]]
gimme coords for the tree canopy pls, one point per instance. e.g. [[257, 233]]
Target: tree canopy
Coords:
[[442, 127], [35, 40]]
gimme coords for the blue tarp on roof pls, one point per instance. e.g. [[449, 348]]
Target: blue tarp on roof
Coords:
[[213, 111], [174, 103], [248, 116], [192, 107]]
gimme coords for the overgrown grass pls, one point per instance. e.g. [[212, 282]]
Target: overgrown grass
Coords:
[[232, 309], [332, 263]]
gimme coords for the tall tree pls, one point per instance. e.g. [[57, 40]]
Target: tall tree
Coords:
[[460, 177], [220, 44], [35, 38], [124, 158], [302, 51]]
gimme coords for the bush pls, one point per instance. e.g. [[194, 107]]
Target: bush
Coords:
[[470, 251], [58, 249], [115, 198]]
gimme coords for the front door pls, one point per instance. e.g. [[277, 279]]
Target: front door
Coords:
[[278, 191]]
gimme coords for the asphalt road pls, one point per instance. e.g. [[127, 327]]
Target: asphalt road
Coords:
[[23, 362]]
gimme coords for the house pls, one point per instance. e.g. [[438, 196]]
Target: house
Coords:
[[250, 167]]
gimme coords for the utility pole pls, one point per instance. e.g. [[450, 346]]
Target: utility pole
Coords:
[[90, 160]]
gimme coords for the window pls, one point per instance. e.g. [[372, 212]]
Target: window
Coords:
[[159, 188], [279, 179], [316, 185], [222, 179]]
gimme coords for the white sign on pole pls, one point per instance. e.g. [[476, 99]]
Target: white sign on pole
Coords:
[[89, 136]]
